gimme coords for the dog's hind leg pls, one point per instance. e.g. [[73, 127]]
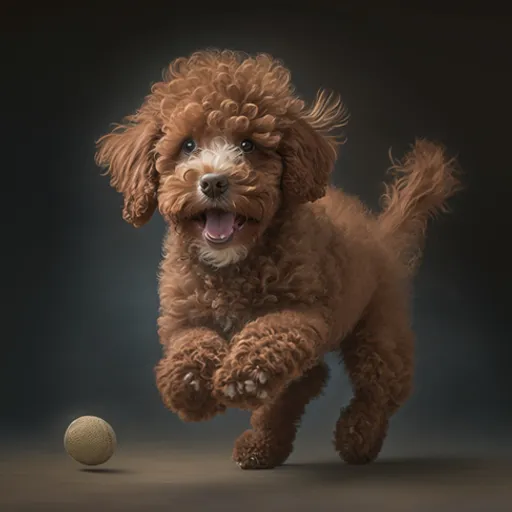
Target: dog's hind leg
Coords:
[[378, 357], [270, 442]]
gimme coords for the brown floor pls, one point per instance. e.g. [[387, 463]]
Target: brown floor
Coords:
[[158, 478]]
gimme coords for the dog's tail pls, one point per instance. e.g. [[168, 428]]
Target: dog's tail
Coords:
[[423, 181]]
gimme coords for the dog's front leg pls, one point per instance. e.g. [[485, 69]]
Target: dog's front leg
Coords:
[[184, 376], [268, 354]]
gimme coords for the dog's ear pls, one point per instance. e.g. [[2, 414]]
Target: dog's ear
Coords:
[[308, 160], [128, 154], [309, 148]]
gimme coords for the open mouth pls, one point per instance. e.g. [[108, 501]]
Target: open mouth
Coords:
[[219, 226]]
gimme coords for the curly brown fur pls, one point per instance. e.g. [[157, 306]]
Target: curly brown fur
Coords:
[[424, 180], [185, 375], [275, 425], [266, 267]]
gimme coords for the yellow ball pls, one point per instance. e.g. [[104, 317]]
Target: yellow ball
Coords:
[[90, 440]]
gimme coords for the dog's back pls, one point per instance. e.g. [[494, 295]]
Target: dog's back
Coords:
[[423, 181]]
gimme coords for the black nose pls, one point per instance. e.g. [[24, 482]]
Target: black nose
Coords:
[[213, 185]]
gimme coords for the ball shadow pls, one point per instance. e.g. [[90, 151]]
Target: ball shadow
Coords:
[[106, 471]]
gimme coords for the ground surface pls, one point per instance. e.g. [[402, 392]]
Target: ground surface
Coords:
[[154, 478]]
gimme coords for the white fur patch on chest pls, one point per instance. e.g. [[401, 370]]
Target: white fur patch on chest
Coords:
[[219, 258]]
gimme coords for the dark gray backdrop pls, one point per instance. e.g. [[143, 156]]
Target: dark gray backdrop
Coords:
[[80, 298]]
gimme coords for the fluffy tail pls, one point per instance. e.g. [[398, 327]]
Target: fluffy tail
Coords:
[[423, 181]]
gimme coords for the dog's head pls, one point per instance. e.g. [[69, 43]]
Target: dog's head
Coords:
[[219, 146]]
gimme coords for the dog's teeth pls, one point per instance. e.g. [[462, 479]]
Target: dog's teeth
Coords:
[[230, 391], [195, 385], [262, 394], [188, 377], [262, 377], [240, 387]]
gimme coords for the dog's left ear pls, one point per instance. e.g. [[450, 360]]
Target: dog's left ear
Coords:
[[309, 150], [308, 160]]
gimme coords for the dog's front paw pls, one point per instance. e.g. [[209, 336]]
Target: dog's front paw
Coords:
[[185, 386], [247, 380], [262, 449], [360, 432], [250, 383]]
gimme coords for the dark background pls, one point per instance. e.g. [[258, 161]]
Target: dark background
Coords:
[[79, 285]]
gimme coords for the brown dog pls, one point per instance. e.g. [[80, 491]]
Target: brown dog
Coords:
[[266, 268]]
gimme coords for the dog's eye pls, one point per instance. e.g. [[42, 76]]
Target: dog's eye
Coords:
[[189, 146], [247, 145]]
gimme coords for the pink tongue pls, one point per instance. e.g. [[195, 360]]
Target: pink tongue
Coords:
[[219, 224]]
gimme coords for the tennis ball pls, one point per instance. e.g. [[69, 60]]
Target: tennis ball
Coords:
[[90, 440]]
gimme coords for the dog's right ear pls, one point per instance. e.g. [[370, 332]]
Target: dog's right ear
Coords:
[[128, 154]]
